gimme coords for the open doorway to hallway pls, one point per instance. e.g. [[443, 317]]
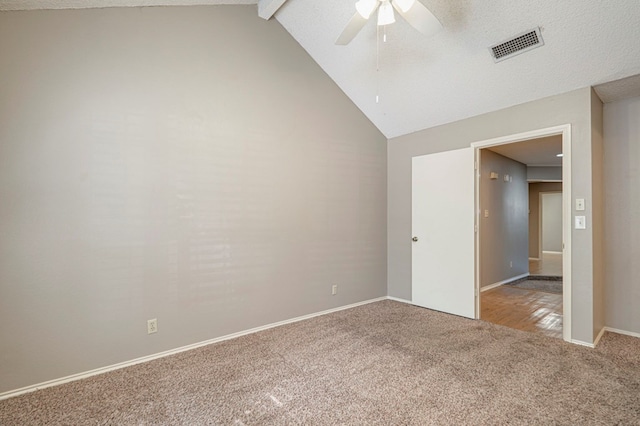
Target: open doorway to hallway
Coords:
[[521, 238]]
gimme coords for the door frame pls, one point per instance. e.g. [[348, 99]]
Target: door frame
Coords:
[[565, 132]]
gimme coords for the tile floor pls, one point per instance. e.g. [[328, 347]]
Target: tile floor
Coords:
[[523, 309]]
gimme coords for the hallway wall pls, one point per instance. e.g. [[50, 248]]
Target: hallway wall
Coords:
[[503, 219]]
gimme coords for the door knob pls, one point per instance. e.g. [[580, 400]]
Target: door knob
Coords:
[[414, 239]]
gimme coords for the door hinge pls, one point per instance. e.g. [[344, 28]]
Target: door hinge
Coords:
[[475, 228]]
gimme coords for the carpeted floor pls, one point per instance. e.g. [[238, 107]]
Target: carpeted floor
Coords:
[[384, 363], [546, 285]]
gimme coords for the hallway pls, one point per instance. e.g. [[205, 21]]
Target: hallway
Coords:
[[523, 309], [550, 264], [527, 310]]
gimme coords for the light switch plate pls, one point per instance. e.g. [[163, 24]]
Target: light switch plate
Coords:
[[579, 204], [581, 222]]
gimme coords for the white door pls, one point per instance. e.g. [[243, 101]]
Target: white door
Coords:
[[443, 262]]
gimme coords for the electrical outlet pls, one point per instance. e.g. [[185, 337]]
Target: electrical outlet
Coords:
[[152, 326], [334, 289], [510, 264]]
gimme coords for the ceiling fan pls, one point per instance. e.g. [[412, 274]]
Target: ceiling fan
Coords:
[[412, 11]]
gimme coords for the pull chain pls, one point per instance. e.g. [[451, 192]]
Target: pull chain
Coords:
[[384, 40]]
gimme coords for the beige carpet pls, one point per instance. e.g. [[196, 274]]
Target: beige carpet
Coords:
[[383, 363]]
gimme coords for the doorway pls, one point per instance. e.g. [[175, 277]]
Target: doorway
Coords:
[[552, 311]]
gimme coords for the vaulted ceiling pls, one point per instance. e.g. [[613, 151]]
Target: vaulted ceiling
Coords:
[[423, 81]]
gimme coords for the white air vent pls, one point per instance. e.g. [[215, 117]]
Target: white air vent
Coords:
[[517, 45]]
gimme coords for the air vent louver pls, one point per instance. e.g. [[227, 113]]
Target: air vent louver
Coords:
[[516, 45]]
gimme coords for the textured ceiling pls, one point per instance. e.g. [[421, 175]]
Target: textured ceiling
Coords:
[[90, 4], [423, 82], [619, 89]]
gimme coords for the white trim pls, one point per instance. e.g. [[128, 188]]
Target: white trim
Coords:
[[477, 229], [598, 337], [581, 343], [565, 131], [551, 252], [566, 233], [83, 375], [626, 333], [519, 137], [540, 224], [534, 258], [507, 281], [397, 299]]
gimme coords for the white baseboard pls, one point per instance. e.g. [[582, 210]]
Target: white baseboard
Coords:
[[581, 343], [598, 337], [551, 252], [83, 375], [626, 333], [397, 299], [507, 281], [590, 345], [534, 258]]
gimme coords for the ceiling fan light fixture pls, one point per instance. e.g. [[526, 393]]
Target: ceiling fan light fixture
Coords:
[[385, 14], [404, 5], [366, 7]]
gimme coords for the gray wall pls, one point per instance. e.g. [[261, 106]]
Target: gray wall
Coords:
[[622, 216], [504, 233], [544, 173], [573, 108], [552, 222], [193, 165], [534, 212]]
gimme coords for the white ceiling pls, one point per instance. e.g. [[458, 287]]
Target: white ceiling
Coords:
[[533, 152], [424, 82], [619, 89], [91, 4]]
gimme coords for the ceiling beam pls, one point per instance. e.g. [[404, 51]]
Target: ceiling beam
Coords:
[[268, 8]]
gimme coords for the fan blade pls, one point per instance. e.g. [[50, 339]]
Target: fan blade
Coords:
[[420, 18], [352, 29]]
